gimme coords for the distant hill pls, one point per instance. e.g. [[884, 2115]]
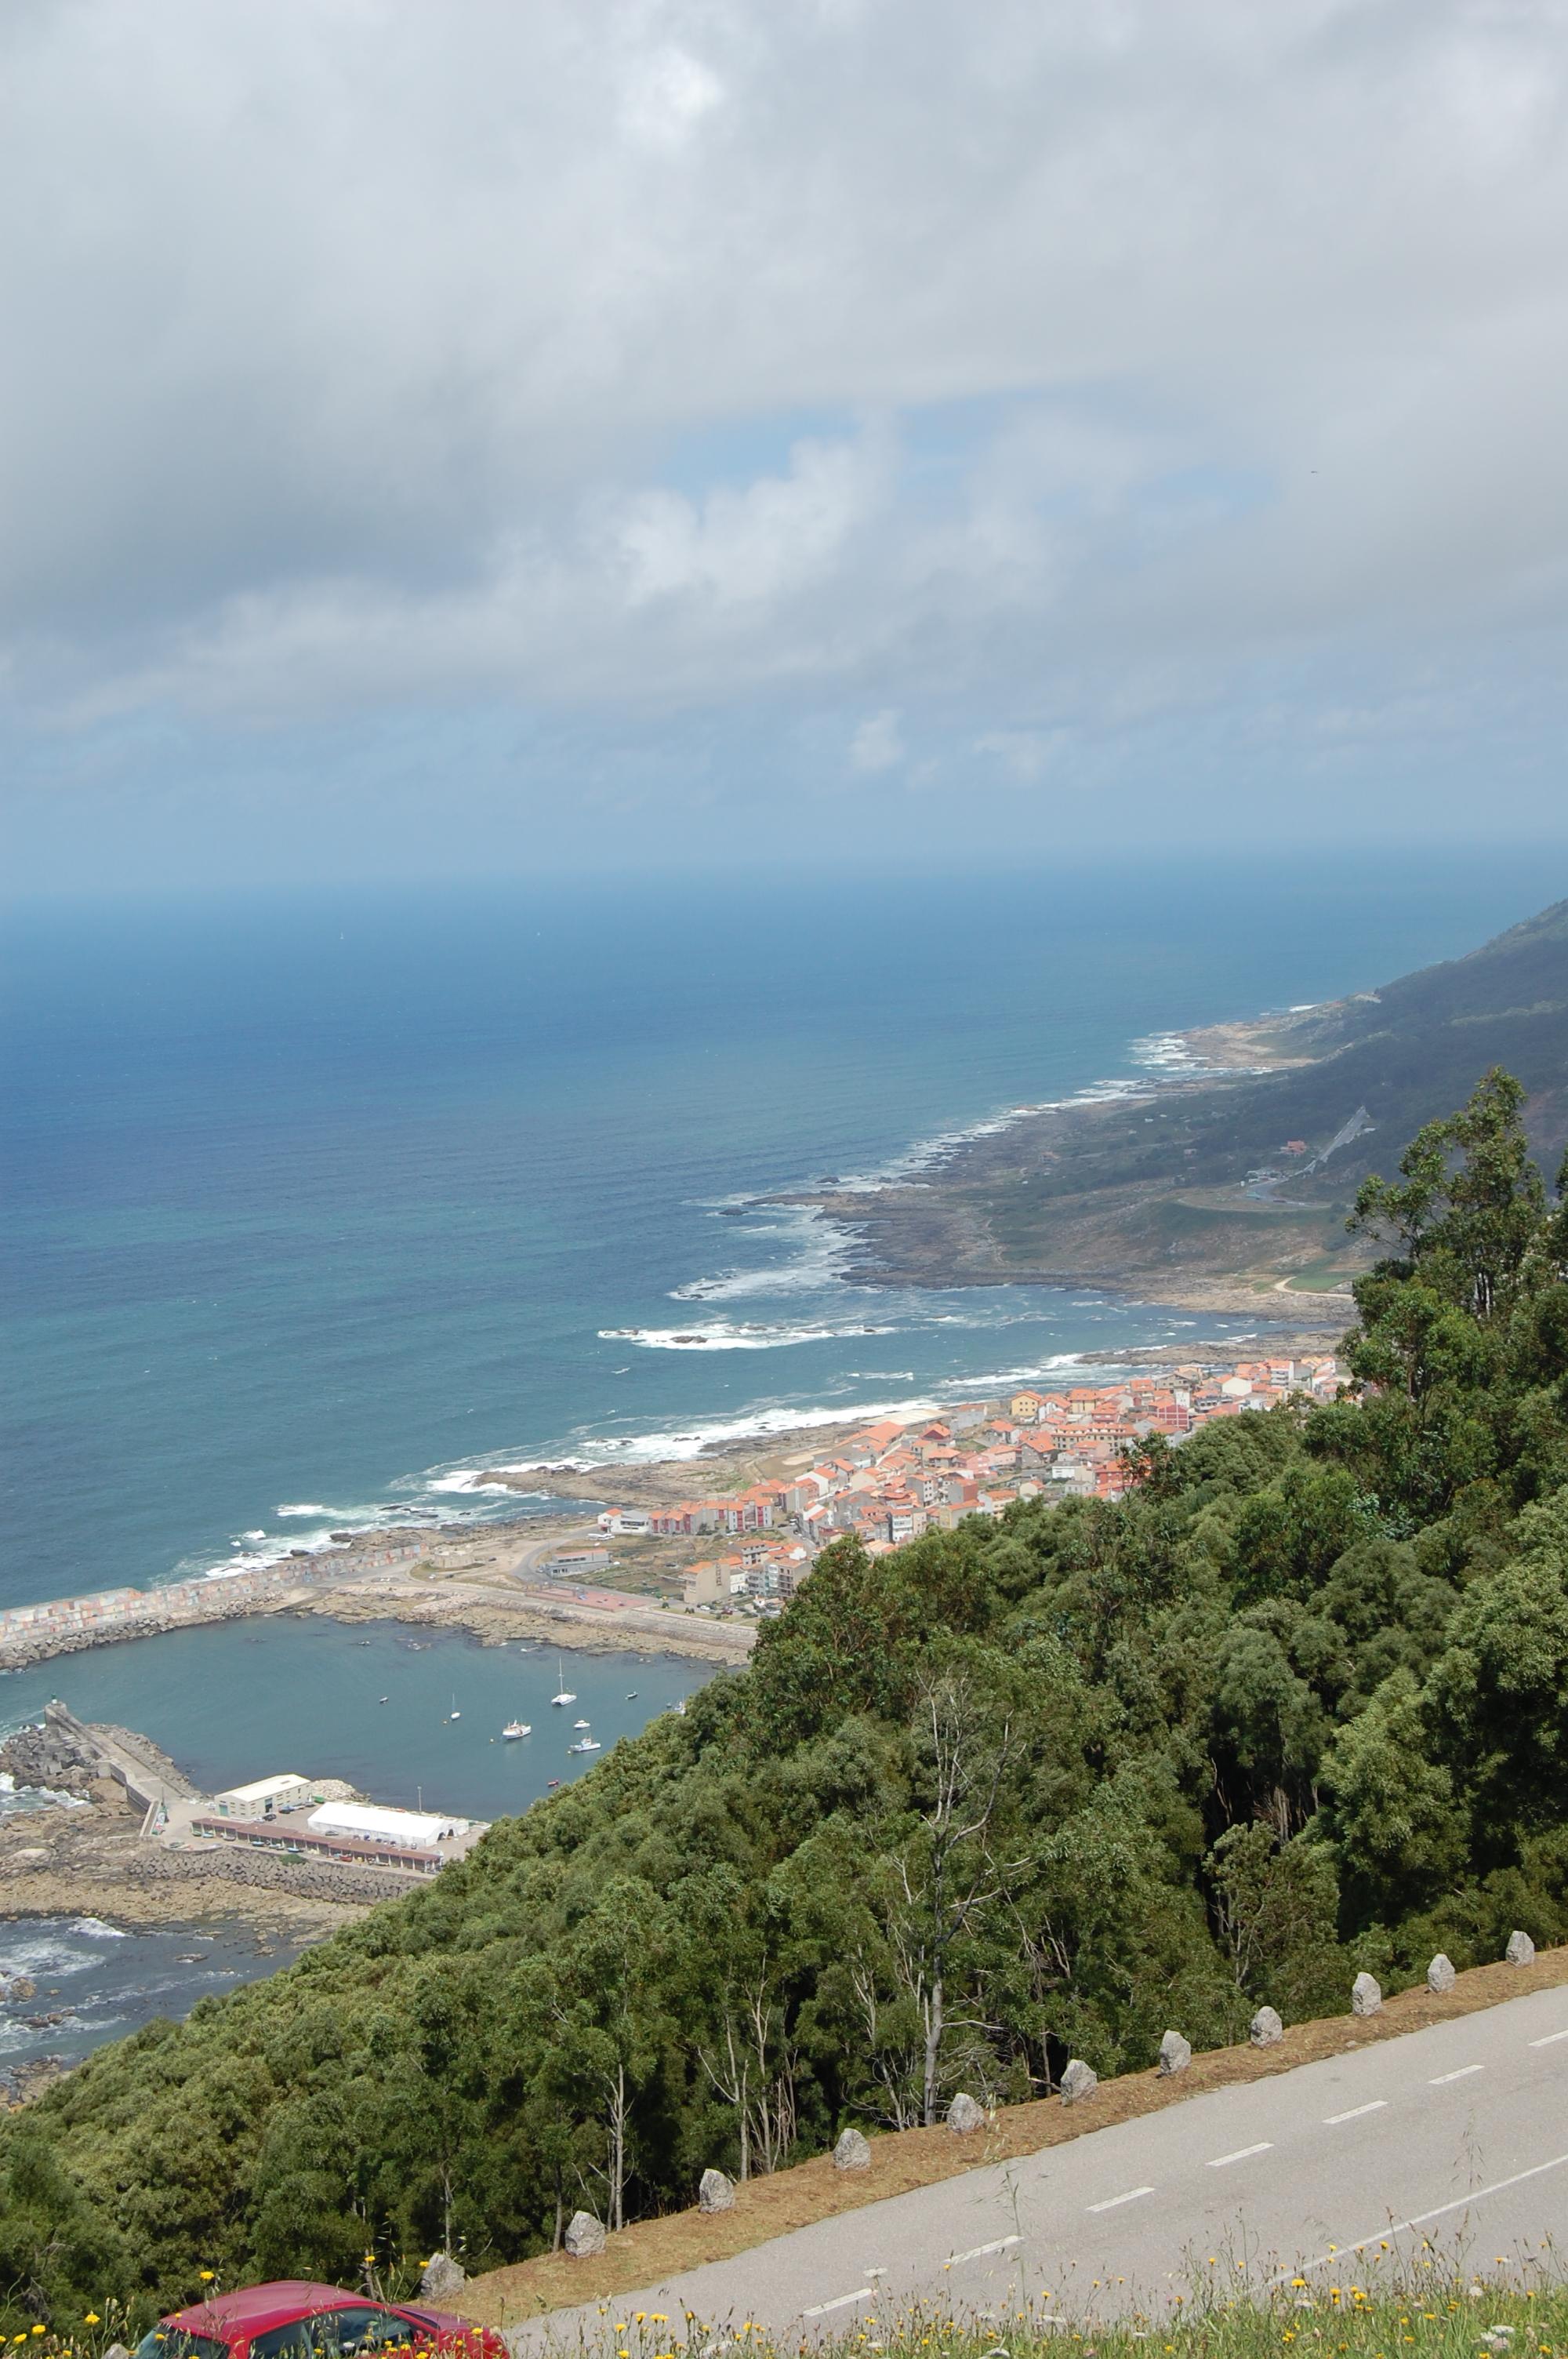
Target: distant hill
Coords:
[[1413, 1049], [1157, 1194]]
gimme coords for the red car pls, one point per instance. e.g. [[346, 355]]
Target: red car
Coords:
[[292, 2319]]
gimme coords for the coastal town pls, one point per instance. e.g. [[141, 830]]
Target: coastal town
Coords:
[[655, 1563], [889, 1482]]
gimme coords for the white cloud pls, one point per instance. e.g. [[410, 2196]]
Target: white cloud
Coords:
[[877, 743], [1024, 754], [1103, 362], [666, 95]]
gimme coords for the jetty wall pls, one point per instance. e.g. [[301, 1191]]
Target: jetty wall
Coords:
[[60, 1625]]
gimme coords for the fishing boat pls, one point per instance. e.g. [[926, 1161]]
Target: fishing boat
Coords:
[[515, 1728], [567, 1695], [586, 1744]]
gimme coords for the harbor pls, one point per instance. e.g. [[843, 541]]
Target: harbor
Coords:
[[256, 1729], [232, 1703]]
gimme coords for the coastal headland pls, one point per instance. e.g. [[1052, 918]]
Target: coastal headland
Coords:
[[1223, 1180]]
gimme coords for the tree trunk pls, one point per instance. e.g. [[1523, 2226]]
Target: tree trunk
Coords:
[[617, 2146], [932, 2012]]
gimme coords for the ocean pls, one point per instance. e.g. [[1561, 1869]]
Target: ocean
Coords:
[[316, 1202], [93, 1981]]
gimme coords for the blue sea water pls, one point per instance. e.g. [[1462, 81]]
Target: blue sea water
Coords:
[[315, 1200], [93, 1981], [371, 1703]]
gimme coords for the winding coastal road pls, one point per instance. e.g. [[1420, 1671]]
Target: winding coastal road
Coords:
[[1454, 2138]]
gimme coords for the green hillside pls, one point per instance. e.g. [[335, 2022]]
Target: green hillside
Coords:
[[1022, 1791], [1155, 1192], [1413, 1049]]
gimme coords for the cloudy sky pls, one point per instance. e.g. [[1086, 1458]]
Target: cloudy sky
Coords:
[[526, 433]]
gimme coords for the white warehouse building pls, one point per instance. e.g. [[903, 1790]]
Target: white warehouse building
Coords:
[[419, 1830]]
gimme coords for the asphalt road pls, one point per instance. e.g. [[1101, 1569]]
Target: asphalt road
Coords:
[[1454, 2138]]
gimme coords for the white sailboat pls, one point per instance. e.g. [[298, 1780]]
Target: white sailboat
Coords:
[[567, 1695], [454, 1714]]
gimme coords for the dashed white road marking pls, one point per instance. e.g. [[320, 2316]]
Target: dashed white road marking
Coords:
[[1420, 2219], [1463, 2073], [841, 2301], [1551, 2039], [1355, 2113], [1112, 2202], [981, 2251], [1241, 2154]]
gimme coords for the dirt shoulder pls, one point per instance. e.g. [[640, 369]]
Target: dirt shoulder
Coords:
[[655, 2249]]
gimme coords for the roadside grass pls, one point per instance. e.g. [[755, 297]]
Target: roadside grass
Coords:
[[1426, 2307]]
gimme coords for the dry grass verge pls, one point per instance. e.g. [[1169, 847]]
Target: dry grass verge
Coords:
[[652, 2250]]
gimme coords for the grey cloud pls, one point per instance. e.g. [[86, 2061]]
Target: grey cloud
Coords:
[[350, 345]]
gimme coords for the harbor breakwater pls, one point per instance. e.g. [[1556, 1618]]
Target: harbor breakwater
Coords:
[[60, 1625]]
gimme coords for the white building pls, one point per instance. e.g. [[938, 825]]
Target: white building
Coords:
[[369, 1823], [284, 1792]]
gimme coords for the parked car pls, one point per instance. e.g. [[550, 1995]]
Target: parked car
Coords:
[[292, 2319]]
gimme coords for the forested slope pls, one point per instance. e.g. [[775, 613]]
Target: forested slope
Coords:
[[1299, 1704]]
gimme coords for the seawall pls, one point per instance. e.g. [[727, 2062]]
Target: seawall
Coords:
[[61, 1626]]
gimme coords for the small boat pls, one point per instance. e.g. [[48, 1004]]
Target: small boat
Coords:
[[515, 1728], [681, 1707], [567, 1694], [582, 1723], [554, 1781], [631, 1695], [586, 1744], [384, 1698]]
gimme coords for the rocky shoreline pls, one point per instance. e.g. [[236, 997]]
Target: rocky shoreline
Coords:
[[1076, 1194], [82, 1854]]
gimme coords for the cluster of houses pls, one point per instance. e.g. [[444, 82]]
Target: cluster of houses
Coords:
[[889, 1483]]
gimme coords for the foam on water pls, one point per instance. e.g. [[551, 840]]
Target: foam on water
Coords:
[[585, 1451], [101, 1979], [719, 1336]]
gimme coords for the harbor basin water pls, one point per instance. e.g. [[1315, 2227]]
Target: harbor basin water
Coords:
[[236, 1700]]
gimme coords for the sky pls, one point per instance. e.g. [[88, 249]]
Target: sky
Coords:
[[691, 436]]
